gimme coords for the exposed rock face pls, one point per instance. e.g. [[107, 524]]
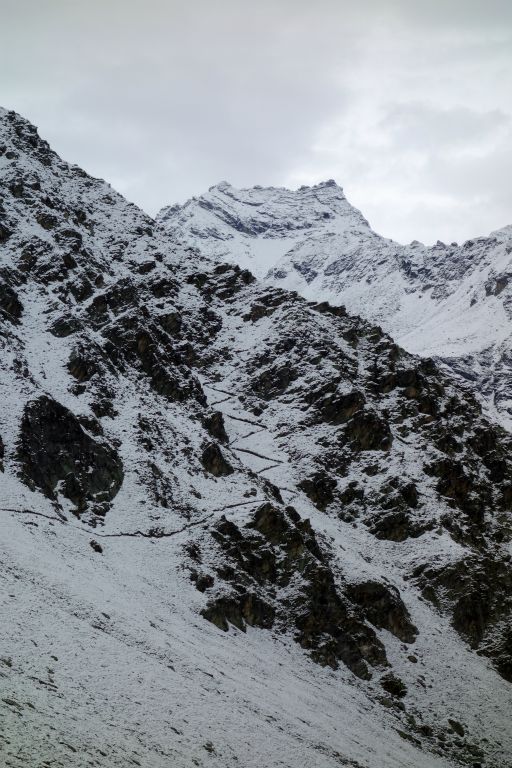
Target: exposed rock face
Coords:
[[424, 457], [10, 305], [384, 608], [368, 431], [313, 241], [394, 686], [478, 593], [274, 381], [319, 488], [214, 461], [57, 455], [397, 526], [214, 423], [338, 408], [65, 326], [278, 550], [268, 464], [240, 611]]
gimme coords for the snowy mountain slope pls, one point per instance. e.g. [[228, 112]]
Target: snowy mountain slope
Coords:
[[238, 529], [261, 225], [448, 301]]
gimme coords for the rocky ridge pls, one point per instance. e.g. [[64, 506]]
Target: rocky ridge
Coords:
[[255, 517], [451, 302]]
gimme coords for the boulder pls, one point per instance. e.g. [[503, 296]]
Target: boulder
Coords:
[[214, 424]]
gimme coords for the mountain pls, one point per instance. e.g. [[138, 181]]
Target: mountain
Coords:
[[450, 302], [239, 528]]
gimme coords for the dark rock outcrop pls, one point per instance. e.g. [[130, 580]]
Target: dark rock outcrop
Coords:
[[384, 608], [339, 408], [276, 556], [319, 488], [397, 525], [462, 487], [477, 592], [368, 431], [214, 462], [214, 424], [274, 381], [240, 611], [393, 685], [10, 305], [58, 456], [64, 326]]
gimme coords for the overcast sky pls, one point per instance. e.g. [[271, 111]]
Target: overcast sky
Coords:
[[406, 103]]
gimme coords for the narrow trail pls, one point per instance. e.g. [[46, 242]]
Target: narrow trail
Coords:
[[36, 514], [259, 455], [156, 533], [217, 389], [249, 434], [218, 402], [152, 533], [265, 469], [246, 421], [236, 443]]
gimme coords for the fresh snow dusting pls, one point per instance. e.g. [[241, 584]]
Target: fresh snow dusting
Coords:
[[261, 226], [450, 302], [239, 529]]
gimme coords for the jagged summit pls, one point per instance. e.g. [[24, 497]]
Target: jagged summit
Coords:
[[450, 301], [261, 224], [225, 185], [238, 528]]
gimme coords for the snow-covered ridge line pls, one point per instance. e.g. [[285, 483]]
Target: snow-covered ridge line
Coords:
[[449, 301], [238, 528]]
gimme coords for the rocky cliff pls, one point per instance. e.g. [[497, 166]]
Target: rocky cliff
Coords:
[[451, 302], [240, 528]]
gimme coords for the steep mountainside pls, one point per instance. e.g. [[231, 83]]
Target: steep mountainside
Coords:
[[448, 301], [239, 529]]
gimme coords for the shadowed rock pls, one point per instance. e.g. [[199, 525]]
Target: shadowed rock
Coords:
[[214, 462], [393, 685], [319, 488], [240, 610], [384, 608], [57, 455], [477, 592], [64, 326], [277, 557], [274, 381], [10, 305], [338, 408], [368, 431], [397, 526], [214, 424]]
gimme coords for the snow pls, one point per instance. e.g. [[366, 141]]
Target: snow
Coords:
[[137, 676], [105, 659], [314, 242]]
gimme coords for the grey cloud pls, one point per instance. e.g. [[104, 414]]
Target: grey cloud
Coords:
[[422, 126], [165, 98]]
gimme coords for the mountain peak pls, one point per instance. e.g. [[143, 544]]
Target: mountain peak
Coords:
[[227, 510], [262, 223], [220, 186], [328, 183]]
